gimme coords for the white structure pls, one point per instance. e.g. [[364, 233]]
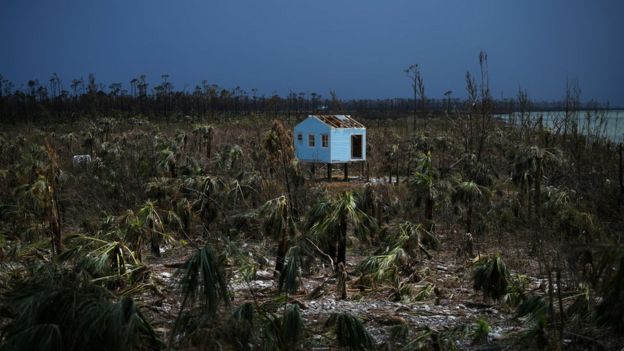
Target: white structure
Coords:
[[330, 139]]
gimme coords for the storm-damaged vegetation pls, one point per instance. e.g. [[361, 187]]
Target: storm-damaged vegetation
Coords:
[[463, 231]]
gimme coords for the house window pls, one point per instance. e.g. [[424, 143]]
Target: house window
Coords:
[[325, 140], [299, 137], [311, 141]]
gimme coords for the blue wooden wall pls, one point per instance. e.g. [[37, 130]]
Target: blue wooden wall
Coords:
[[340, 143], [306, 153]]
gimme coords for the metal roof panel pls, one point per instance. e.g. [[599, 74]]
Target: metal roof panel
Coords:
[[339, 121]]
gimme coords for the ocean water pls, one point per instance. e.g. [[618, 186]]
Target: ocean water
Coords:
[[608, 124]]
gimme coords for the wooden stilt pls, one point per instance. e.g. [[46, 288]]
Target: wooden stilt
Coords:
[[329, 172], [313, 171], [346, 171], [362, 170]]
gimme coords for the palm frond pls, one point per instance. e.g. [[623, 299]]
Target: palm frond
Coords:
[[244, 312], [276, 217], [412, 236], [318, 212], [292, 326], [481, 331], [610, 311], [99, 256], [290, 278], [367, 199], [399, 333], [331, 215], [385, 267], [350, 332], [534, 308], [203, 281], [491, 277], [515, 294], [581, 307], [43, 337], [467, 192], [425, 292], [420, 342], [77, 317]]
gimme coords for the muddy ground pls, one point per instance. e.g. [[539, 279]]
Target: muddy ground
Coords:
[[441, 300]]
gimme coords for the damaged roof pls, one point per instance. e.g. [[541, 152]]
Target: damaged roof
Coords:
[[339, 121]]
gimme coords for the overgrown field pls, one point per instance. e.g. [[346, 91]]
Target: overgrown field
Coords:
[[460, 232]]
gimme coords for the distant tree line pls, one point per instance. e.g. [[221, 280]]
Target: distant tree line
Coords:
[[56, 100]]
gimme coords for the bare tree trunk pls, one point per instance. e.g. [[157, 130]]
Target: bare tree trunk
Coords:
[[342, 281], [529, 198], [329, 172], [53, 214], [209, 145], [429, 207], [361, 170], [397, 171], [415, 107], [538, 190], [154, 244], [469, 219], [342, 243], [281, 253], [332, 248], [482, 135], [55, 227], [621, 168], [560, 300], [551, 296], [187, 223]]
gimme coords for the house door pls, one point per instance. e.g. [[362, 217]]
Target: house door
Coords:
[[356, 146]]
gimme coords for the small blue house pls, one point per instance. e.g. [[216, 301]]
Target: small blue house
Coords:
[[330, 139]]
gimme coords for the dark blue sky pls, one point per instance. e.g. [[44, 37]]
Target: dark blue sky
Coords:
[[356, 47]]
